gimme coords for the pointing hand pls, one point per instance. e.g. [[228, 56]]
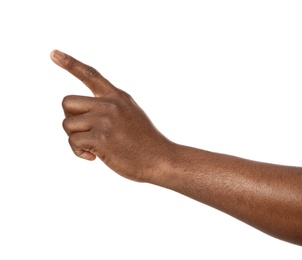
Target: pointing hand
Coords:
[[111, 126]]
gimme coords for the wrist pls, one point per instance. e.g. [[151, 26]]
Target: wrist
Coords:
[[168, 173]]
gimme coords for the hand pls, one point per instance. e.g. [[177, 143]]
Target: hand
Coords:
[[111, 126]]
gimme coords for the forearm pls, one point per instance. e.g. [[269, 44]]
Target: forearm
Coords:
[[266, 196]]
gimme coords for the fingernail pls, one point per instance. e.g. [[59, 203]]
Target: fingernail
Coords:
[[59, 55]]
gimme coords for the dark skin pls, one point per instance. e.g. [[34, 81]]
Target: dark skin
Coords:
[[112, 127]]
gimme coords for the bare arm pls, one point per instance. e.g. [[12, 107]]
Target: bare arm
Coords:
[[265, 196], [112, 126]]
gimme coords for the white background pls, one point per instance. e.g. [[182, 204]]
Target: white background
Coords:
[[224, 76]]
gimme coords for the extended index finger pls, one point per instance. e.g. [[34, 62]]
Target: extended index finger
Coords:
[[87, 74]]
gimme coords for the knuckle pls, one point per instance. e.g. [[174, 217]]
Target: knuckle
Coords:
[[73, 140], [124, 100], [124, 96], [65, 124], [66, 101], [91, 72]]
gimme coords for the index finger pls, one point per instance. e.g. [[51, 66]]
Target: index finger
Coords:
[[87, 74]]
